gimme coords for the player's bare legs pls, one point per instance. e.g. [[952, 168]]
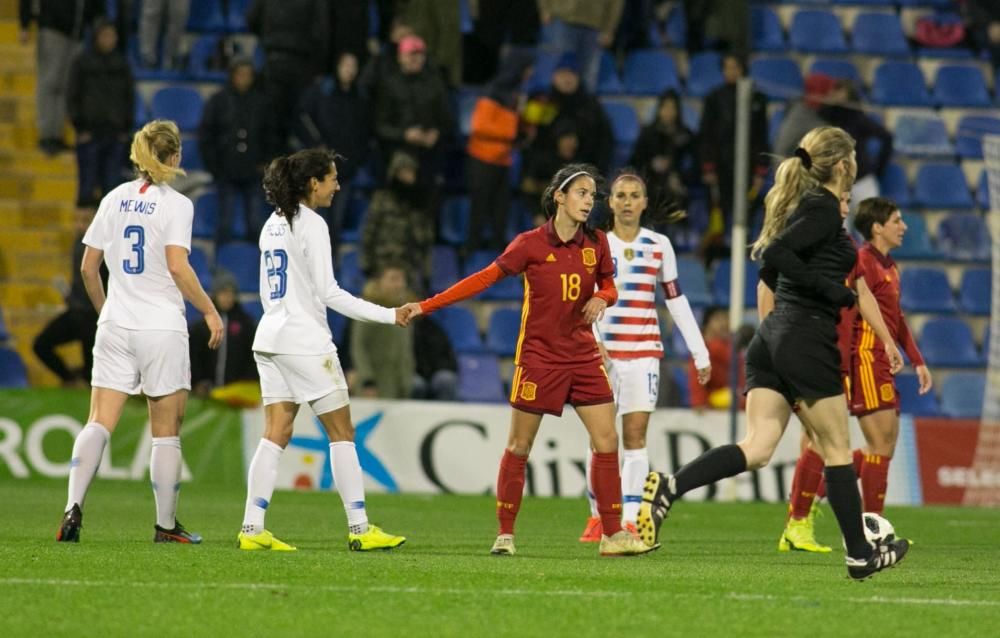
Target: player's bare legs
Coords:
[[262, 476], [767, 415], [165, 416]]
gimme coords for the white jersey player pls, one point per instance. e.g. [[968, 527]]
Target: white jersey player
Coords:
[[294, 349], [629, 335], [142, 231]]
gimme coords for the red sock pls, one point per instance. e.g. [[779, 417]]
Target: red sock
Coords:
[[857, 459], [607, 490], [874, 480], [510, 489], [808, 475]]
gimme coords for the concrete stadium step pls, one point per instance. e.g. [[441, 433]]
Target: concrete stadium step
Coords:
[[17, 109], [18, 137], [29, 187], [9, 28], [17, 58], [19, 82], [8, 9], [35, 162], [54, 215], [16, 294]]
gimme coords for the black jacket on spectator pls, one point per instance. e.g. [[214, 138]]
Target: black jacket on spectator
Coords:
[[101, 96], [299, 28], [236, 136], [679, 145], [238, 351], [70, 17], [583, 112], [718, 130], [417, 99], [432, 349], [338, 119], [863, 129]]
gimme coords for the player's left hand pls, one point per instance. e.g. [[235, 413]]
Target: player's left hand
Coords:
[[895, 359], [406, 313], [924, 376], [215, 329], [704, 374], [594, 309]]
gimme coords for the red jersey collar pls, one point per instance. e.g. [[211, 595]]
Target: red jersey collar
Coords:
[[884, 260], [553, 236]]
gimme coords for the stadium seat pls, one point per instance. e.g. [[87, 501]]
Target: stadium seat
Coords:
[[961, 86], [348, 273], [205, 16], [236, 15], [894, 185], [694, 283], [541, 76], [608, 82], [625, 128], [947, 342], [975, 290], [650, 72], [774, 124], [454, 223], [676, 27], [922, 136], [460, 325], [680, 378], [941, 186], [917, 242], [925, 290], [969, 137], [354, 219], [704, 73], [964, 237], [503, 331], [256, 309], [12, 371], [199, 263], [191, 154], [181, 104], [777, 78], [879, 34], [444, 267], [911, 401], [479, 379], [200, 59], [983, 191], [839, 69], [140, 111], [720, 283], [206, 215], [816, 31], [766, 33], [962, 395], [899, 84], [338, 327], [242, 259]]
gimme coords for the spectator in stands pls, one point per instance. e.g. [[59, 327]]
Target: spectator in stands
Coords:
[[61, 27], [582, 27], [437, 370], [412, 111], [100, 101], [294, 35], [495, 131], [334, 115], [664, 154], [844, 110], [439, 24], [237, 138], [233, 359], [497, 23], [397, 228], [168, 17], [539, 163], [718, 24], [349, 30], [382, 353], [386, 61], [79, 321], [802, 115], [983, 17], [715, 394]]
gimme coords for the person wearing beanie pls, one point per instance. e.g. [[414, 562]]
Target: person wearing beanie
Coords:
[[233, 360]]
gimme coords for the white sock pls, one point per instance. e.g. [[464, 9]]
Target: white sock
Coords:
[[165, 474], [350, 484], [260, 485], [88, 448], [634, 471], [590, 485]]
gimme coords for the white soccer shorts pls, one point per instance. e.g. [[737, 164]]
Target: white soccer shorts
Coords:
[[636, 384], [298, 378], [155, 362]]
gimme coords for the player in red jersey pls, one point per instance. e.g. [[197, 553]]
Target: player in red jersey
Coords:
[[568, 283], [869, 386]]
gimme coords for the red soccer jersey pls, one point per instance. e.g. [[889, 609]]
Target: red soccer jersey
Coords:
[[559, 279]]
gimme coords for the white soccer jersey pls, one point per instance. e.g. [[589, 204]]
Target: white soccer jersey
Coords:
[[630, 329], [297, 284], [133, 226]]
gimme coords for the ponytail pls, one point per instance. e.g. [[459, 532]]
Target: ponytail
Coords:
[[286, 180], [152, 147]]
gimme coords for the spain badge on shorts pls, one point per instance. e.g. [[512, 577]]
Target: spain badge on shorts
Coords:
[[887, 392], [528, 390], [589, 257]]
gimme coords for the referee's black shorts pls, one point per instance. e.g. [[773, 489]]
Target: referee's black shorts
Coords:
[[795, 353]]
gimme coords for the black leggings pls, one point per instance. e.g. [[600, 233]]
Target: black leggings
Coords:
[[72, 325]]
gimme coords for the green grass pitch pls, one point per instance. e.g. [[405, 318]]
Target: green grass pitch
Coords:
[[718, 573]]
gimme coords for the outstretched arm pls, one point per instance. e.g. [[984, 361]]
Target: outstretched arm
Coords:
[[468, 287]]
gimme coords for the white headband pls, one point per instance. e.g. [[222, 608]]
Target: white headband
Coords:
[[572, 177]]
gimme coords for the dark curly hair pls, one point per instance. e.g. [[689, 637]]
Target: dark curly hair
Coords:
[[286, 180]]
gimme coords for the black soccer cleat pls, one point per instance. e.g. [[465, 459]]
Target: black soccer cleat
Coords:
[[69, 529], [658, 495], [176, 535], [887, 553]]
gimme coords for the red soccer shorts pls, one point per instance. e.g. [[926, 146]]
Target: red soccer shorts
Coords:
[[871, 386], [547, 390]]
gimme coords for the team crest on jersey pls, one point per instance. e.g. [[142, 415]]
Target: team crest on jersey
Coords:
[[888, 394], [528, 390], [589, 257], [629, 254]]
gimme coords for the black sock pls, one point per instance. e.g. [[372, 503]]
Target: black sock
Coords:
[[842, 492], [716, 464]]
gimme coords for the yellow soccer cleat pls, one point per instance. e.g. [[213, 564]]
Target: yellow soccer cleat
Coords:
[[263, 541], [374, 538], [800, 535], [504, 545], [625, 543]]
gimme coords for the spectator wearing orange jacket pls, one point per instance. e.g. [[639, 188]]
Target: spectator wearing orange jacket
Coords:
[[715, 394]]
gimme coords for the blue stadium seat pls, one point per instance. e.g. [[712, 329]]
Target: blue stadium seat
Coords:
[[682, 382], [460, 325], [917, 242], [503, 331], [236, 15], [191, 154], [720, 283], [964, 237], [338, 327], [894, 185], [242, 259], [816, 31], [983, 191], [205, 16], [766, 33], [179, 103], [694, 283], [479, 379], [444, 267], [900, 84], [255, 309], [925, 290], [140, 111], [879, 34], [961, 86], [625, 128], [962, 395], [608, 82], [969, 137], [922, 135], [837, 68], [200, 56], [650, 72], [975, 290], [454, 222], [911, 401], [541, 76], [199, 263], [206, 215], [676, 26], [941, 186], [947, 342], [704, 73], [777, 78], [354, 219], [774, 124], [348, 273], [12, 371]]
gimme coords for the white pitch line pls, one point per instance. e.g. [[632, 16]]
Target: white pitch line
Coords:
[[562, 593]]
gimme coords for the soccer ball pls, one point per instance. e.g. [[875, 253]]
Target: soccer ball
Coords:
[[877, 528]]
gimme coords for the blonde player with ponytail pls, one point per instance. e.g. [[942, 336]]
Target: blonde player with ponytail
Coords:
[[142, 231]]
